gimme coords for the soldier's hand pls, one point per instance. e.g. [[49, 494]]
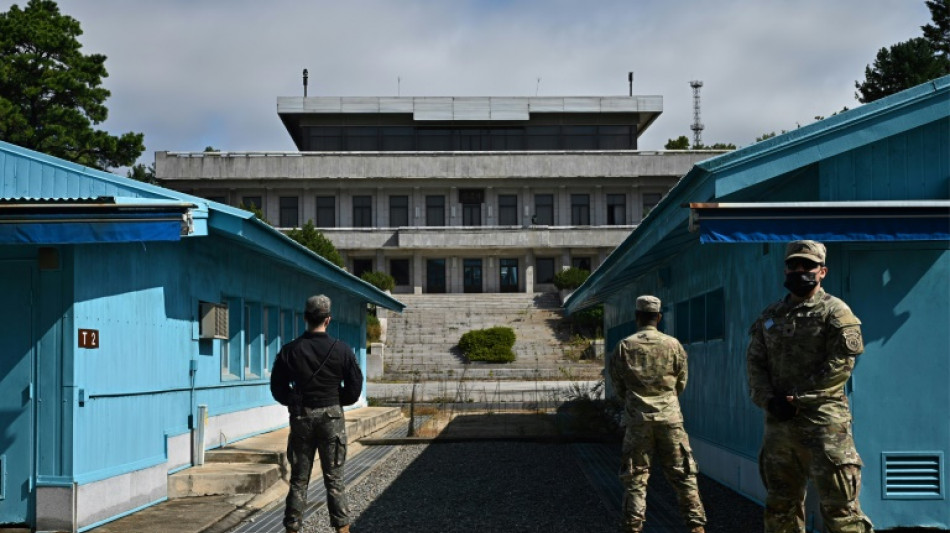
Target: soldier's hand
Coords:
[[780, 408]]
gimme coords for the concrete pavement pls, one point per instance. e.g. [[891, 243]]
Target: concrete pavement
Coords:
[[484, 391]]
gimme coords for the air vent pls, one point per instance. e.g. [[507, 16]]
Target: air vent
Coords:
[[214, 321], [913, 475]]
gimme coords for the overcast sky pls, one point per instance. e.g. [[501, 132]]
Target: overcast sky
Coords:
[[189, 74]]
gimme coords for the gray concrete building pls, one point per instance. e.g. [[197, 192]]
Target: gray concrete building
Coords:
[[455, 195]]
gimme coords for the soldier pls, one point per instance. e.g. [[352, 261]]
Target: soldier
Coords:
[[648, 371], [801, 352], [307, 378]]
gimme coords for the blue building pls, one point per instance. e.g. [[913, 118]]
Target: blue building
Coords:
[[873, 184], [127, 306]]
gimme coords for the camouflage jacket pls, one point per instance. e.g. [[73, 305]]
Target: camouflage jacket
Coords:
[[806, 350], [648, 371]]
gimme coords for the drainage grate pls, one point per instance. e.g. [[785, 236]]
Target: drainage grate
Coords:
[[913, 475]]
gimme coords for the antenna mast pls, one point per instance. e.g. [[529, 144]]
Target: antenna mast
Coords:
[[697, 126]]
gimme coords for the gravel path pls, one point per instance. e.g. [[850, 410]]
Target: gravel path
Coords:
[[506, 486]]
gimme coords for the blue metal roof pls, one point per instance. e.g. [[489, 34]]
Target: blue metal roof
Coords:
[[665, 230], [26, 174]]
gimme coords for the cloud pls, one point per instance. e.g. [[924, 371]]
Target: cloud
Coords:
[[192, 74]]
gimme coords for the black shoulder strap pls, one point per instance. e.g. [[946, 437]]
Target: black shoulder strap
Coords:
[[317, 371]]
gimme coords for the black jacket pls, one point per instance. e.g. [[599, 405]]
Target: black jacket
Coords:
[[300, 358]]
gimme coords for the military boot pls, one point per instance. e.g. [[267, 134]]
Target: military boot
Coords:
[[343, 529], [697, 529]]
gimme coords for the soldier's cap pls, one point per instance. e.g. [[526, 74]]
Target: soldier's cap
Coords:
[[318, 306], [648, 304], [811, 250]]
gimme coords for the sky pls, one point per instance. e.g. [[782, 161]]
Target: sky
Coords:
[[190, 74]]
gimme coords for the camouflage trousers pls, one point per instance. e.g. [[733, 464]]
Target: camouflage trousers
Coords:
[[670, 444], [794, 452], [320, 430]]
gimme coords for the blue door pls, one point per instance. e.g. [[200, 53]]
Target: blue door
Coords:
[[16, 393]]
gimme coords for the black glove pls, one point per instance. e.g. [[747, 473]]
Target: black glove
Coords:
[[781, 409]]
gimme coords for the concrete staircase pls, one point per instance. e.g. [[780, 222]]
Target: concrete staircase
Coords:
[[422, 341], [256, 465]]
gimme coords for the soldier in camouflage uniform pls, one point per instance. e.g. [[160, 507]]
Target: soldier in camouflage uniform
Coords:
[[801, 353], [307, 378], [648, 371]]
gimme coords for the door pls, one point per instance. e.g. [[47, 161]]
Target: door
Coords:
[[508, 272], [16, 393], [435, 275], [472, 275]]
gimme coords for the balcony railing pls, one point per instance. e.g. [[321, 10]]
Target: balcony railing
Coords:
[[415, 237]]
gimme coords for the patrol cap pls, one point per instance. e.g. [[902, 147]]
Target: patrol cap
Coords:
[[318, 306], [648, 304], [811, 250]]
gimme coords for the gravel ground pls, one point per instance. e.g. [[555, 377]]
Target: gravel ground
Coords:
[[506, 486]]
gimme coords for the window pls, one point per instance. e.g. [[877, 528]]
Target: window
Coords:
[[582, 263], [543, 209], [650, 199], [362, 211], [435, 210], [616, 209], [362, 266], [545, 269], [398, 211], [271, 339], [617, 138], [325, 139], [288, 212], [580, 138], [399, 270], [250, 202], [232, 350], [326, 212], [580, 209], [252, 341], [362, 139], [697, 318], [471, 200], [398, 139], [715, 315], [508, 209], [681, 321]]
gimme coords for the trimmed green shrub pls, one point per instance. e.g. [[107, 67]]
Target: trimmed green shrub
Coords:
[[373, 328], [492, 345], [380, 280], [571, 278]]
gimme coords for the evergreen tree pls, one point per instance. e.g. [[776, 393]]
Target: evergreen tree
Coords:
[[50, 92], [310, 237]]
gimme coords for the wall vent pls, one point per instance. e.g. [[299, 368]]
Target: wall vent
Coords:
[[912, 475], [214, 321]]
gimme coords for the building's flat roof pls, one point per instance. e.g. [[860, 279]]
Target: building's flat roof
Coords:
[[480, 108]]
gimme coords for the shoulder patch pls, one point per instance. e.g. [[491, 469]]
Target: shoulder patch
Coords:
[[853, 342]]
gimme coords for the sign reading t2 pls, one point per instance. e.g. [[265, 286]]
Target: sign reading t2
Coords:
[[89, 338]]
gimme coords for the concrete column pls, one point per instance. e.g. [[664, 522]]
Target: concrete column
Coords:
[[453, 274], [565, 259], [490, 211], [453, 209], [346, 209], [307, 206], [527, 206], [418, 270], [562, 207], [491, 273], [598, 206], [380, 261], [417, 211], [636, 205], [380, 213], [529, 271]]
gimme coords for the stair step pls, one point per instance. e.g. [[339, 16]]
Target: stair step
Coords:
[[223, 478]]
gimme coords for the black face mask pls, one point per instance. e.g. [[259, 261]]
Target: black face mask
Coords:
[[801, 283]]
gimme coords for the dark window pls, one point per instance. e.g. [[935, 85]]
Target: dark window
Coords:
[[398, 139], [252, 201], [399, 270], [580, 209], [472, 275], [326, 212], [362, 266], [616, 209], [398, 211], [697, 318], [362, 211], [582, 263], [579, 138], [362, 139], [650, 199], [507, 209], [435, 275], [542, 137], [681, 321], [434, 139], [508, 275], [326, 139], [435, 210], [545, 269], [617, 138], [471, 196], [543, 209], [471, 214], [288, 212], [715, 315]]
